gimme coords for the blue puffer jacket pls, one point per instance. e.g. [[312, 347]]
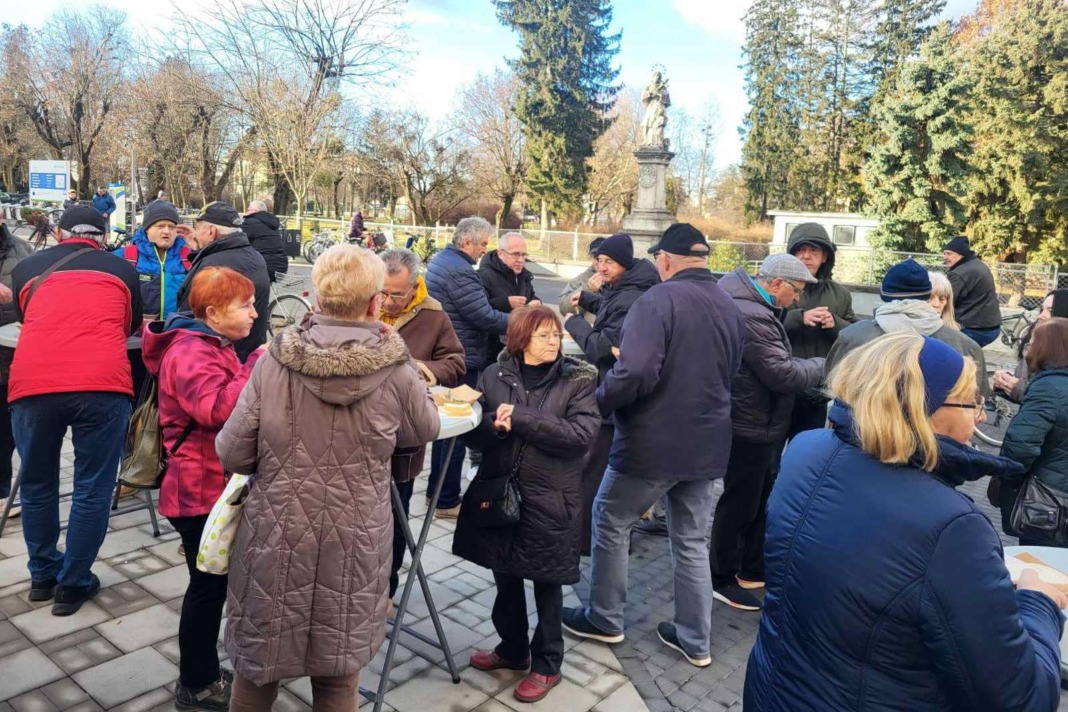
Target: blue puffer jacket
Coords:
[[887, 590], [158, 291], [104, 204], [452, 280]]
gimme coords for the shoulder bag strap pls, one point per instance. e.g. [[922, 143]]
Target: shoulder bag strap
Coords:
[[46, 274], [182, 438], [523, 445]]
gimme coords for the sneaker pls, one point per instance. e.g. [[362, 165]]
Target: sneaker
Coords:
[[447, 512], [652, 526], [736, 597], [750, 583], [487, 660], [535, 686], [43, 590], [215, 696], [670, 637], [181, 550], [69, 599], [577, 623]]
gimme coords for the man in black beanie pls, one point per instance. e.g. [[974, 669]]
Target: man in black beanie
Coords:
[[975, 298]]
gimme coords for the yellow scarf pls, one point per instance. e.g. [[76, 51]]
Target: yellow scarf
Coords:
[[420, 296]]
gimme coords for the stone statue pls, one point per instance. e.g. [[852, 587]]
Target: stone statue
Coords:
[[656, 100]]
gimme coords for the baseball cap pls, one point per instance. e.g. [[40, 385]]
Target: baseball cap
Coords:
[[220, 213], [81, 219], [682, 239], [783, 265]]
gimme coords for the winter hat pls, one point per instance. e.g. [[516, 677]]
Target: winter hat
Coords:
[[1060, 302], [82, 219], [620, 248], [941, 367], [785, 266], [906, 280], [595, 244], [960, 245], [813, 234], [159, 210], [220, 213]]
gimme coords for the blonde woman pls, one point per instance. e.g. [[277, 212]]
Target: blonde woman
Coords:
[[886, 588], [942, 299]]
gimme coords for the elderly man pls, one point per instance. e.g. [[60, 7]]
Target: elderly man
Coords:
[[452, 280], [670, 392], [160, 257], [220, 242], [261, 227], [588, 280], [71, 199], [975, 297], [422, 323], [762, 401], [509, 284], [77, 305], [105, 204]]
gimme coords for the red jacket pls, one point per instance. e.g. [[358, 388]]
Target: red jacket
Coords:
[[74, 333], [200, 378]]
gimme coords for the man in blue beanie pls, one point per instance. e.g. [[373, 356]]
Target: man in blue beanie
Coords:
[[975, 298], [906, 291]]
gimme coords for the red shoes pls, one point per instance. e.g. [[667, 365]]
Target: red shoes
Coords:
[[487, 660], [535, 687]]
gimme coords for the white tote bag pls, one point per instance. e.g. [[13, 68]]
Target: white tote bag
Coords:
[[221, 528]]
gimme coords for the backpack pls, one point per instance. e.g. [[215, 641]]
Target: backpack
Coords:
[[131, 254], [144, 459]]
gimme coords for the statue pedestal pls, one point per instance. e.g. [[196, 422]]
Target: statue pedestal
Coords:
[[649, 217]]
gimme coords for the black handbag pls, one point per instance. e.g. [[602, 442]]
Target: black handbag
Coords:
[[1041, 512], [496, 502]]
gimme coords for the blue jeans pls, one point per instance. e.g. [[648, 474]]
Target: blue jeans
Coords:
[[982, 336], [621, 500], [98, 423], [450, 490]]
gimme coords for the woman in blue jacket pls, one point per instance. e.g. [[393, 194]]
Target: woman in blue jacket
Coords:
[[886, 588], [1037, 437], [160, 257]]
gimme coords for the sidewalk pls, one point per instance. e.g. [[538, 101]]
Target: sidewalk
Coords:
[[120, 652]]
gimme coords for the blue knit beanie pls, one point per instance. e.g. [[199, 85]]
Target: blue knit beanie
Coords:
[[941, 367], [906, 280]]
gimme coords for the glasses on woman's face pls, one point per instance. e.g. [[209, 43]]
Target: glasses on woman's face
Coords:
[[548, 337], [977, 406]]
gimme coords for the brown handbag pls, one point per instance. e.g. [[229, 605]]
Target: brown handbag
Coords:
[[144, 459]]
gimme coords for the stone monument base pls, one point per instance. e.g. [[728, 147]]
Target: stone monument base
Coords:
[[650, 217], [645, 228]]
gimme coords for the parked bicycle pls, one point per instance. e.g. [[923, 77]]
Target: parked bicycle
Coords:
[[425, 248], [289, 302], [319, 244], [1015, 327]]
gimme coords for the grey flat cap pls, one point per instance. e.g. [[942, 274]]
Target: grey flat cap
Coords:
[[786, 266]]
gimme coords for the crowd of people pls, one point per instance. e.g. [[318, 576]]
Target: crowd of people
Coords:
[[840, 442]]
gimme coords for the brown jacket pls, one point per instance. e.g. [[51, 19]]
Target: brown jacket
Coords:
[[317, 423], [440, 358]]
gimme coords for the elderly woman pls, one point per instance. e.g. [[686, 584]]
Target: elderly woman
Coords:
[[318, 422], [200, 378], [1013, 384], [1037, 437], [539, 416], [941, 299], [886, 587]]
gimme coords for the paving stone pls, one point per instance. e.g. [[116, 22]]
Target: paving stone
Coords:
[[91, 706], [581, 670], [65, 694], [26, 670], [435, 691], [492, 706], [624, 699], [169, 649], [125, 542], [565, 696], [127, 677], [168, 552], [107, 574], [34, 701], [99, 650], [492, 682], [286, 702], [13, 570], [167, 584], [138, 630], [458, 636], [40, 625], [125, 598], [599, 653], [72, 660], [145, 703], [142, 567]]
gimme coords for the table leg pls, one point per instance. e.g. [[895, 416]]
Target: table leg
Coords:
[[10, 499]]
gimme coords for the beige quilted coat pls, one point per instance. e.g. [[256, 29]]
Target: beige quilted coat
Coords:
[[317, 423]]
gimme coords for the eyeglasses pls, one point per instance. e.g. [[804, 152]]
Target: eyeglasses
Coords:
[[797, 289], [395, 296], [977, 406], [518, 255], [546, 338]]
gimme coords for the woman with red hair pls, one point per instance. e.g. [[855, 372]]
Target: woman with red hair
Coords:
[[200, 378]]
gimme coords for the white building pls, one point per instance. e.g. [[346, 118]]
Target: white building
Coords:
[[846, 229]]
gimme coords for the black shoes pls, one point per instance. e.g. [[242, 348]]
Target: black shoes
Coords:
[[736, 597], [652, 526], [43, 590], [669, 637], [576, 623], [215, 696], [70, 598]]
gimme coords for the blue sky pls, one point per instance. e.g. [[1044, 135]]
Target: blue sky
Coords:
[[698, 42]]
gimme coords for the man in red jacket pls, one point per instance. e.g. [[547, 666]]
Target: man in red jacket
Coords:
[[77, 304]]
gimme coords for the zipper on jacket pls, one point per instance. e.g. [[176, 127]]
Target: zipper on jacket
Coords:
[[162, 282]]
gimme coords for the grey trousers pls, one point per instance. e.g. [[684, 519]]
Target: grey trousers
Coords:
[[620, 501]]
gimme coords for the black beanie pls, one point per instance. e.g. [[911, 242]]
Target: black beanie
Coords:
[[1060, 302], [960, 245], [620, 248], [159, 210]]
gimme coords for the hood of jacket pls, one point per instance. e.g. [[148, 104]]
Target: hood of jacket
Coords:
[[641, 275], [909, 316], [339, 362], [158, 336], [739, 285], [266, 218], [801, 234], [957, 463], [493, 261], [233, 241]]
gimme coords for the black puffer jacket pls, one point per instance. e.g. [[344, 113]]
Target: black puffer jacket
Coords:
[[500, 283], [809, 341], [975, 298], [265, 238], [544, 546], [763, 391], [610, 305], [12, 251]]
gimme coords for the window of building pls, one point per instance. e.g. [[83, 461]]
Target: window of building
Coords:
[[844, 234], [790, 227]]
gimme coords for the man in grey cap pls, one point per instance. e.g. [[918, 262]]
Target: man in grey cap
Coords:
[[762, 400]]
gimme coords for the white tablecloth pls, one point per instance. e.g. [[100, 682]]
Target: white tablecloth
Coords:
[[1056, 558]]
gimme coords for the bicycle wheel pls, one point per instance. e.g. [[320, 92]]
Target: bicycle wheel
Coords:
[[986, 438], [286, 310]]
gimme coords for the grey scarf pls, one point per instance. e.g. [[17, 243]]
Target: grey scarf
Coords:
[[908, 316]]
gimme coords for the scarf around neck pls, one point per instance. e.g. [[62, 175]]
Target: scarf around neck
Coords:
[[420, 296]]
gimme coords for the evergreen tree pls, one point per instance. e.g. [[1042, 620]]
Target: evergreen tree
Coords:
[[918, 168], [567, 87], [1018, 200]]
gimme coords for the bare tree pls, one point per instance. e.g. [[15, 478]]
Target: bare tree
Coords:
[[613, 167], [494, 135]]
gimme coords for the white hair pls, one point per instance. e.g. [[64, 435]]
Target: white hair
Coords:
[[83, 232], [471, 228], [505, 241], [257, 206], [226, 229], [399, 259]]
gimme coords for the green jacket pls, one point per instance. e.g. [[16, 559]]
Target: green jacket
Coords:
[[1037, 437], [813, 341]]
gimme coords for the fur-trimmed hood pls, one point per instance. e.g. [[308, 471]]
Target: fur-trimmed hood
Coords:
[[571, 369], [339, 361]]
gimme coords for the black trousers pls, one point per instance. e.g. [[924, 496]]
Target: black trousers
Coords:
[[546, 650], [202, 609], [592, 474], [810, 413], [399, 544], [738, 526], [7, 445]]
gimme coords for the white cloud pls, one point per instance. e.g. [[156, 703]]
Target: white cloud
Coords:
[[717, 17]]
